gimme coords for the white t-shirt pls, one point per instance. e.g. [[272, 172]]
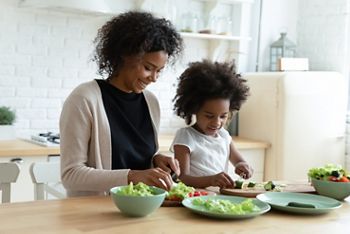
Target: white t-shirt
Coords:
[[208, 155]]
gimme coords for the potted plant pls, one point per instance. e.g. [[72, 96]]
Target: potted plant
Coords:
[[7, 118]]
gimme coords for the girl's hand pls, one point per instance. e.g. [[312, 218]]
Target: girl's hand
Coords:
[[168, 164], [222, 180], [244, 170], [155, 177]]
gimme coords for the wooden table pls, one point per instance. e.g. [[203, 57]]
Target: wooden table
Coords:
[[99, 215]]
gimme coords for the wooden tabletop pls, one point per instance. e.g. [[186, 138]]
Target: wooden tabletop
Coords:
[[22, 148], [99, 215]]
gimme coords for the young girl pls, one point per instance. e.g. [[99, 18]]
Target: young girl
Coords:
[[210, 91]]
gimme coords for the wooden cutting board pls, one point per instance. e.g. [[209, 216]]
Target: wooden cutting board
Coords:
[[168, 203], [251, 192]]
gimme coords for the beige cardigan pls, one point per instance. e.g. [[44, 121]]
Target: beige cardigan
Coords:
[[86, 142]]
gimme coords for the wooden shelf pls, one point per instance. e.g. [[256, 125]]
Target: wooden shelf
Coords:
[[214, 36], [228, 1]]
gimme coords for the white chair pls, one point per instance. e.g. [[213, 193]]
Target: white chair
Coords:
[[9, 172], [46, 177]]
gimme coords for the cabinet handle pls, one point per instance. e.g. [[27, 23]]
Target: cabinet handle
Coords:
[[17, 160]]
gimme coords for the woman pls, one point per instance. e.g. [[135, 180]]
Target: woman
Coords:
[[109, 128]]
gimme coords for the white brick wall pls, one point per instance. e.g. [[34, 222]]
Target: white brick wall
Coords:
[[45, 54], [323, 37], [323, 34]]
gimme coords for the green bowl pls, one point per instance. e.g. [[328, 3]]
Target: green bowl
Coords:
[[336, 190], [138, 206]]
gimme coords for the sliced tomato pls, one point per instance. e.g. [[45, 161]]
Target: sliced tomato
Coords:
[[333, 178], [197, 193], [344, 179]]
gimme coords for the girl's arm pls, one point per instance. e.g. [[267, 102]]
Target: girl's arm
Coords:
[[242, 168], [182, 154]]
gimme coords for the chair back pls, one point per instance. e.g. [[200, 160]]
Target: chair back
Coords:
[[9, 172], [46, 177]]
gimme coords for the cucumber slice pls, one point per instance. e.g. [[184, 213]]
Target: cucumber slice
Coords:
[[251, 184], [269, 186], [238, 184]]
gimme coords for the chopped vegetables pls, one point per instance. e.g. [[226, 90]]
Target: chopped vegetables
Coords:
[[329, 172], [139, 189], [226, 207], [251, 184], [269, 186], [238, 184], [179, 192], [197, 193]]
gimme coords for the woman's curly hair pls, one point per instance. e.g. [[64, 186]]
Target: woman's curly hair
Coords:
[[133, 33], [203, 81]]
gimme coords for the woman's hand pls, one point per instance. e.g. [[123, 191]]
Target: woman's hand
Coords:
[[222, 180], [167, 163], [244, 170], [155, 176]]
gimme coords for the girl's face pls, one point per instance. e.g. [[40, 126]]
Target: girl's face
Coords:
[[212, 116], [138, 72]]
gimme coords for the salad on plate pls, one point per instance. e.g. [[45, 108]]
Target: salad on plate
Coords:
[[181, 191]]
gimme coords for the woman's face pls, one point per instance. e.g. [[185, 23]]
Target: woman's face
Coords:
[[138, 72], [212, 116]]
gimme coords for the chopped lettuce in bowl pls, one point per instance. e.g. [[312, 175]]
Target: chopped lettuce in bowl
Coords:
[[140, 189], [137, 200]]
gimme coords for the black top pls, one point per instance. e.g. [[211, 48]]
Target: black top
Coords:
[[133, 141]]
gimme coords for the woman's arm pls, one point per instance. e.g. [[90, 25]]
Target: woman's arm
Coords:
[[84, 161]]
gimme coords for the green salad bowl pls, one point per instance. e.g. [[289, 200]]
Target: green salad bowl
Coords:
[[336, 190], [138, 206]]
